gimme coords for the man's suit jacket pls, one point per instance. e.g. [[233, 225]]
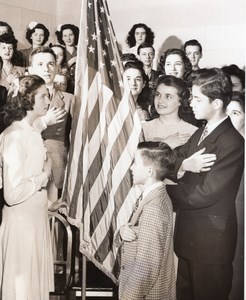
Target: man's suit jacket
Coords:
[[147, 267], [206, 226]]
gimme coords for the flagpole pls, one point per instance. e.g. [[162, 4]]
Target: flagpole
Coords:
[[83, 287]]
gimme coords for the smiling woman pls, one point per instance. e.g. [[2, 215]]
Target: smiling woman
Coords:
[[8, 58]]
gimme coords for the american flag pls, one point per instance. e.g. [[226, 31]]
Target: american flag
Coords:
[[105, 132]]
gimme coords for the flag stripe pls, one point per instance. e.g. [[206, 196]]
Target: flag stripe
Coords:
[[105, 132]]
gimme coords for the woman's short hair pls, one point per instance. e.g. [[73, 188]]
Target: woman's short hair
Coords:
[[160, 156], [31, 30], [131, 41], [22, 98], [75, 30], [181, 53]]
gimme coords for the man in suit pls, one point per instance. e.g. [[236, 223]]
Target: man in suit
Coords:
[[55, 126], [206, 225]]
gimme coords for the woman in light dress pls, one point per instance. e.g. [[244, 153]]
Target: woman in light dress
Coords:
[[26, 266]]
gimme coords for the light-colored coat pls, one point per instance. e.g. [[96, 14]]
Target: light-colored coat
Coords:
[[147, 266]]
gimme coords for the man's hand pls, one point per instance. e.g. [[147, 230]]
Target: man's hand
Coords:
[[54, 116], [198, 162]]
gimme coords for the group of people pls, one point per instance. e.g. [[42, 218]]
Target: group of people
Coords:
[[189, 167], [191, 162]]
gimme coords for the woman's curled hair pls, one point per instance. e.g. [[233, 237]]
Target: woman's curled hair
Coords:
[[21, 98]]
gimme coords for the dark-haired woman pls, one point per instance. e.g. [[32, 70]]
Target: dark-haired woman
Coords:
[[37, 35], [8, 58], [171, 105], [68, 36], [139, 34], [26, 266]]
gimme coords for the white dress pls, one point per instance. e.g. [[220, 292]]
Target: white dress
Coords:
[[26, 266]]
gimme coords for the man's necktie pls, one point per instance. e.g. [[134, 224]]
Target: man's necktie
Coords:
[[204, 134]]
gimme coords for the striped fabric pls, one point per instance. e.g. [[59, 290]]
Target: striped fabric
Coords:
[[105, 132]]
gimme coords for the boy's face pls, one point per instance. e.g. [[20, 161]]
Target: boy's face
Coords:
[[133, 79], [139, 170], [194, 55], [44, 65], [201, 106], [146, 55]]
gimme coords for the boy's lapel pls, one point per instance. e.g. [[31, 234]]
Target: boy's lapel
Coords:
[[145, 201]]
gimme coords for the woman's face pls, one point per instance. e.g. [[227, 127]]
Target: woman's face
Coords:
[[174, 66], [133, 79], [38, 37], [42, 101], [68, 37], [6, 51], [236, 84], [59, 55], [166, 100], [140, 35], [237, 116]]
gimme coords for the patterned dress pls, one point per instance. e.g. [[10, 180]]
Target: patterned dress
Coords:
[[26, 267]]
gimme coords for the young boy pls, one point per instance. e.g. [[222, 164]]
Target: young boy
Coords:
[[147, 266], [193, 50], [55, 126], [146, 54], [206, 224]]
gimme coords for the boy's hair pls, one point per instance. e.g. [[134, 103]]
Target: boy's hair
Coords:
[[234, 70], [30, 31], [145, 45], [131, 41], [214, 84], [160, 156], [43, 49], [193, 43], [136, 64]]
